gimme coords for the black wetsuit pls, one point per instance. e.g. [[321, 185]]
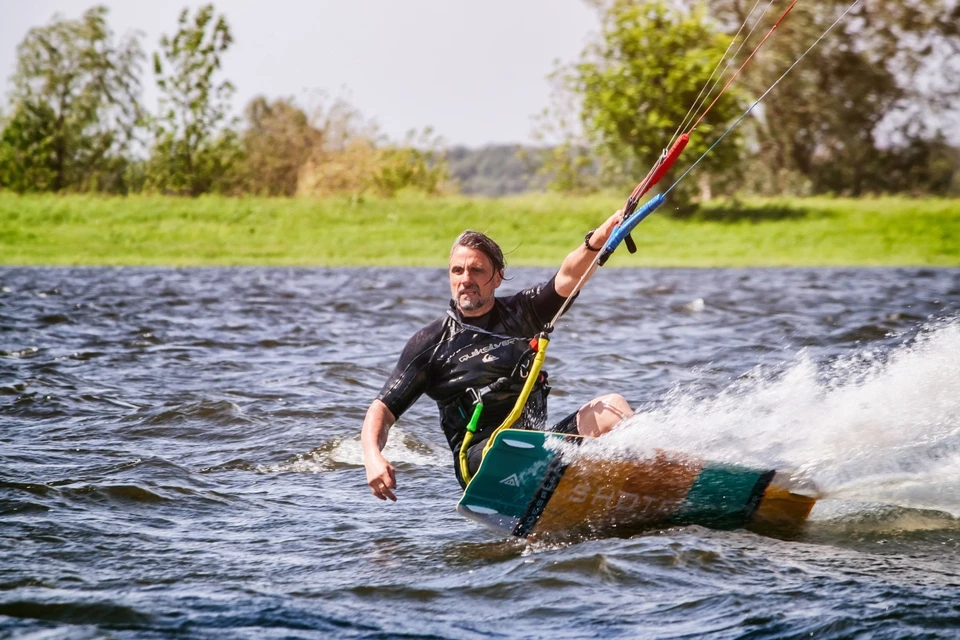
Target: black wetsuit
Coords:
[[453, 354]]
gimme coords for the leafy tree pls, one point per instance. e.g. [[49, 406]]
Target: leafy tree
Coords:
[[27, 151], [632, 89], [278, 140], [194, 149], [825, 121], [353, 157], [418, 164], [919, 167], [75, 108]]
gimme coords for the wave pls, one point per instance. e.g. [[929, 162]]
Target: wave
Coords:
[[149, 482], [402, 448]]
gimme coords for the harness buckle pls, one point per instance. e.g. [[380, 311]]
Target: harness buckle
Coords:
[[477, 399]]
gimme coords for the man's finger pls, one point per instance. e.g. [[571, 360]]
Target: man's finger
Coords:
[[382, 489], [384, 492]]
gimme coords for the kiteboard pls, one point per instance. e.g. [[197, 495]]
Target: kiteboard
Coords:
[[528, 487]]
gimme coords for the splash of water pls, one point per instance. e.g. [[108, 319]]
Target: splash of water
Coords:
[[401, 448], [871, 426]]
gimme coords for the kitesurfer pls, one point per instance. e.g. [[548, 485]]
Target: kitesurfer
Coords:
[[478, 351]]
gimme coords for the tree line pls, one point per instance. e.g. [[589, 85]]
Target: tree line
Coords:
[[76, 123], [861, 114]]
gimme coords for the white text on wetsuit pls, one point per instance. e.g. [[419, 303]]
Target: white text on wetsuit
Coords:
[[482, 350]]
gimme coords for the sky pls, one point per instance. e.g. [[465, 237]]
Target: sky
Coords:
[[474, 70]]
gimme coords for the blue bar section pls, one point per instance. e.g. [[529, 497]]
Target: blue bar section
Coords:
[[628, 225]]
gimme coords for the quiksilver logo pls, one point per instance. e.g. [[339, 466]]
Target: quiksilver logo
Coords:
[[511, 481], [483, 350], [489, 358]]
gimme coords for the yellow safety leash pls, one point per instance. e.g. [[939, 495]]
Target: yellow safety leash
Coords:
[[541, 343]]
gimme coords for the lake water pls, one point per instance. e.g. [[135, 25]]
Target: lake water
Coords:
[[179, 457]]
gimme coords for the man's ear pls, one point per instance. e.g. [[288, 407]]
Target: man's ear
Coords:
[[498, 279]]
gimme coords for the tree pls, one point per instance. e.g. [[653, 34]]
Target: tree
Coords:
[[27, 150], [75, 108], [826, 120], [417, 164], [633, 87], [194, 150], [353, 157], [278, 140]]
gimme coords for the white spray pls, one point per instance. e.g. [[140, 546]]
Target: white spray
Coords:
[[863, 428]]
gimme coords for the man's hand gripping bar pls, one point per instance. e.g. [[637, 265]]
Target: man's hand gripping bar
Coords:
[[625, 227]]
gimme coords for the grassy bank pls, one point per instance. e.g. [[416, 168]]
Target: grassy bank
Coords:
[[533, 230]]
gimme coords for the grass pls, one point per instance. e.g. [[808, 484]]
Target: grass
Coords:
[[417, 231]]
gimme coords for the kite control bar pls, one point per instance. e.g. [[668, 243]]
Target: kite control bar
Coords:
[[624, 228], [659, 169]]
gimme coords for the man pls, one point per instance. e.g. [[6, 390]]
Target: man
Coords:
[[481, 349]]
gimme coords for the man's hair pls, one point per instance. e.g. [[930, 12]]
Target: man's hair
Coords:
[[482, 243]]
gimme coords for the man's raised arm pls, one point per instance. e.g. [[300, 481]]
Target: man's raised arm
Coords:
[[381, 477], [580, 259]]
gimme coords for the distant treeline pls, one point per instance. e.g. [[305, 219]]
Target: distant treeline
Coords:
[[498, 170], [851, 119]]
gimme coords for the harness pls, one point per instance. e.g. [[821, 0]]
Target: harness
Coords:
[[537, 346]]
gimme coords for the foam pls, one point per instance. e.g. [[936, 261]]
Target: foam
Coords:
[[873, 425], [400, 448]]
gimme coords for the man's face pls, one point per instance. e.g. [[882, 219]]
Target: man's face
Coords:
[[472, 281]]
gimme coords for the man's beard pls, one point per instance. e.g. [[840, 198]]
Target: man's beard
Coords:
[[467, 304]]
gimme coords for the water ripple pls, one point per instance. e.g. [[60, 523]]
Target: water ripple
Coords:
[[179, 456]]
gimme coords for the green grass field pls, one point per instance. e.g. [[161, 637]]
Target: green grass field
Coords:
[[418, 231]]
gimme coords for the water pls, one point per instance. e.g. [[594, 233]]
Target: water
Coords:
[[179, 456]]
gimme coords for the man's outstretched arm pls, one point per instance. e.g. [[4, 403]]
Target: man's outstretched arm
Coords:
[[381, 477], [580, 259]]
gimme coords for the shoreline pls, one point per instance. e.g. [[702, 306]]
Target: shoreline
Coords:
[[415, 231]]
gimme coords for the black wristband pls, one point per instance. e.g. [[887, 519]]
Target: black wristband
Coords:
[[586, 242]]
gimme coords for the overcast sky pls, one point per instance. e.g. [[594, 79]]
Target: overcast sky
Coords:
[[475, 70]]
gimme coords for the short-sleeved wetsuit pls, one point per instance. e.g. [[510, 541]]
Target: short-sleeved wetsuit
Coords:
[[453, 354]]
